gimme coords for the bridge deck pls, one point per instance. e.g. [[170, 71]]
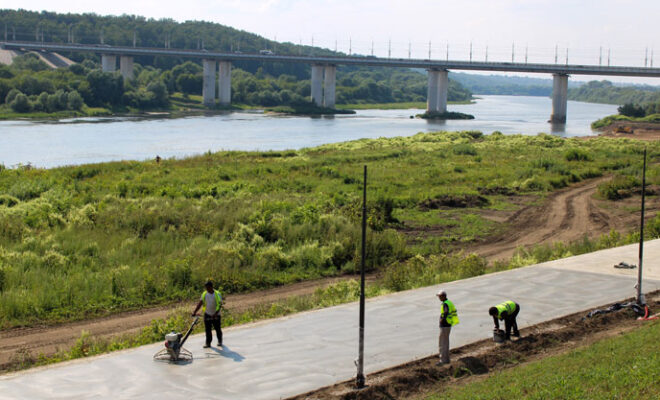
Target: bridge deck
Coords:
[[568, 69]]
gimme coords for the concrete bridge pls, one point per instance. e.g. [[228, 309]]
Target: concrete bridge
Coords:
[[217, 66]]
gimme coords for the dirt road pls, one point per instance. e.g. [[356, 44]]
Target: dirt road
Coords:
[[565, 215]]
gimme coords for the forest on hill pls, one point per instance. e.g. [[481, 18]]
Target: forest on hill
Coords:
[[157, 78]]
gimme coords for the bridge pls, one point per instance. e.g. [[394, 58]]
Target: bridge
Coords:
[[217, 66]]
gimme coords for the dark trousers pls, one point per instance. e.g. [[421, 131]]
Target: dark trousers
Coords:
[[510, 322], [212, 323]]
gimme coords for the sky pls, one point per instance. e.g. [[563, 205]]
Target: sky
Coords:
[[585, 31]]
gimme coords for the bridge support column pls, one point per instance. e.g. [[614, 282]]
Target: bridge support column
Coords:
[[224, 82], [432, 91], [436, 100], [108, 63], [443, 90], [126, 66], [329, 82], [208, 83], [559, 98], [317, 84]]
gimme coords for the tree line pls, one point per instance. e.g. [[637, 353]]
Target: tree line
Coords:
[[29, 85]]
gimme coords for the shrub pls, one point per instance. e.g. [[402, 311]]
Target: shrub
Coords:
[[8, 201], [12, 95], [576, 154], [618, 188], [74, 101], [465, 149], [21, 103]]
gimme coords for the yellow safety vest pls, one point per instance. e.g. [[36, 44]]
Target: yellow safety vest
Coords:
[[218, 300], [452, 316], [508, 306]]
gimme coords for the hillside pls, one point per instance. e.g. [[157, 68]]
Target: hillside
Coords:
[[608, 93], [354, 84]]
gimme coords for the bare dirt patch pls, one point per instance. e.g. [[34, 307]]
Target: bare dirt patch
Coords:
[[566, 215], [477, 360], [632, 130]]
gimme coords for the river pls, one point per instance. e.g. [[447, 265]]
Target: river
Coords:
[[89, 140]]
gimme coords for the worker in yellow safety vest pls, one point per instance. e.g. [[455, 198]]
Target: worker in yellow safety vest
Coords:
[[507, 311], [211, 301], [448, 318]]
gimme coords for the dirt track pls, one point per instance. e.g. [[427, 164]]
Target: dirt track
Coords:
[[565, 215]]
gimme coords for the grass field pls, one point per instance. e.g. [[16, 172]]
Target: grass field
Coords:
[[95, 239], [624, 367]]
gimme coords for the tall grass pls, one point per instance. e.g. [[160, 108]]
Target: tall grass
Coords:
[[96, 239]]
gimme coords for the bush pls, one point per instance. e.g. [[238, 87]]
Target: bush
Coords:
[[12, 95], [21, 103], [465, 149], [74, 101], [618, 188], [631, 110], [576, 154]]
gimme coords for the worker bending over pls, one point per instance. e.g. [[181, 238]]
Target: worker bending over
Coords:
[[211, 301], [507, 311]]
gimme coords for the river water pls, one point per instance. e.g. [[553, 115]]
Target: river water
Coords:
[[89, 140]]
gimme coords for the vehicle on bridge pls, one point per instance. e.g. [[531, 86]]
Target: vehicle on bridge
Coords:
[[266, 52]]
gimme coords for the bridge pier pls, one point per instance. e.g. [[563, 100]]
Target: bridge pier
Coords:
[[443, 90], [208, 82], [329, 83], [317, 84], [559, 98], [432, 91], [126, 66], [108, 63], [224, 82], [438, 87]]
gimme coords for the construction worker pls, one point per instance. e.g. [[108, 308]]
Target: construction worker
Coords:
[[507, 311], [448, 318], [211, 301]]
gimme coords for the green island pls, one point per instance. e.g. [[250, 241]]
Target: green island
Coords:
[[444, 115]]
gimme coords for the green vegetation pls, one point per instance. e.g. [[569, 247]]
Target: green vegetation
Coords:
[[606, 92], [610, 119], [35, 89], [622, 367], [416, 272], [96, 239], [504, 85], [444, 115]]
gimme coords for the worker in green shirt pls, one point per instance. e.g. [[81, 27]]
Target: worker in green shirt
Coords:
[[507, 311]]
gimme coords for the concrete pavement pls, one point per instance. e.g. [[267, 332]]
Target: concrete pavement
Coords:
[[288, 356]]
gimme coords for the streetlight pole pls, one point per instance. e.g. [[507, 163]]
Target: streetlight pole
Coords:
[[640, 295], [359, 380]]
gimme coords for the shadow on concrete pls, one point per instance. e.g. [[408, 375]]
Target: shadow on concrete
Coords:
[[226, 352]]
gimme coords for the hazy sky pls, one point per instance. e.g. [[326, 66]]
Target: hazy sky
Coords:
[[628, 28]]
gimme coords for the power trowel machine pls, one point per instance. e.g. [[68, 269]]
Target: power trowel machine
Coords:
[[174, 350]]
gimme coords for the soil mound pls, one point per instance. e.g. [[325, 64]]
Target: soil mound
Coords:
[[454, 201]]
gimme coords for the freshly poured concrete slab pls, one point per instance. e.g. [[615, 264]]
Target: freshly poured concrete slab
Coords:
[[288, 356]]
